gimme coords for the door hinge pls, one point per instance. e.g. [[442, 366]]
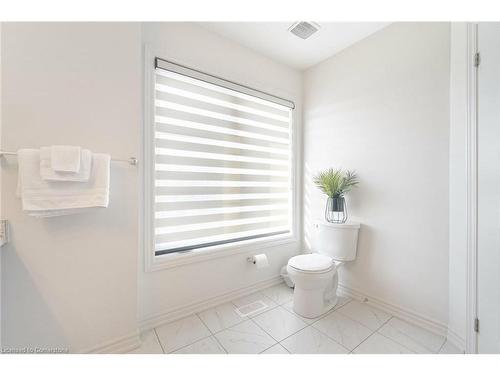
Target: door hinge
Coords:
[[4, 232], [476, 325], [477, 59]]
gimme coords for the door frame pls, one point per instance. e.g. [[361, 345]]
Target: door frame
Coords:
[[471, 340]]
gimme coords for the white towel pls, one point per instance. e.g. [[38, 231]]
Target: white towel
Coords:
[[55, 198], [48, 173], [65, 158]]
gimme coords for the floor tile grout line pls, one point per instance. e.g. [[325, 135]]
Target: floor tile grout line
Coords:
[[336, 307], [410, 337], [185, 346], [263, 330], [267, 333], [159, 341], [397, 342], [288, 351], [298, 316], [230, 326], [212, 335], [376, 331], [442, 345], [352, 351], [327, 335], [272, 346], [331, 338], [284, 303], [222, 346], [246, 320], [303, 328], [357, 321], [280, 341], [388, 338], [194, 342]]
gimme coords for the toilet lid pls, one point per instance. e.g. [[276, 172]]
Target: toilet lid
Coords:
[[311, 262]]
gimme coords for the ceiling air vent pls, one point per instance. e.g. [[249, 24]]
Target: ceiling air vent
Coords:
[[303, 29]]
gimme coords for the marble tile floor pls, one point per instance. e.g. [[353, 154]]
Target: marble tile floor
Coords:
[[351, 327]]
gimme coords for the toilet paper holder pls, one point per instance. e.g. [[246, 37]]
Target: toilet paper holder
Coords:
[[259, 260]]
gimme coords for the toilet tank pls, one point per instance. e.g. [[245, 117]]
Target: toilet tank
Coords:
[[339, 241]]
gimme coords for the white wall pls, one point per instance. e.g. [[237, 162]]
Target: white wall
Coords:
[[458, 185], [381, 107], [162, 292], [71, 281]]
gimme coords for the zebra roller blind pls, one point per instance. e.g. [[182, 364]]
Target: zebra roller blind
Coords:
[[223, 168]]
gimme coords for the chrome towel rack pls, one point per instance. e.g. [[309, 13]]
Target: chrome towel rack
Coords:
[[132, 160]]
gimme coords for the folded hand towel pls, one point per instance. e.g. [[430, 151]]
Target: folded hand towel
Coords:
[[54, 198], [54, 213], [50, 174], [65, 158]]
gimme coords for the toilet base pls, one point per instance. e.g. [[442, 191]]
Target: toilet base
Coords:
[[314, 294], [311, 304]]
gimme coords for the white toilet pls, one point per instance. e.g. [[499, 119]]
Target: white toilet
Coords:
[[315, 275]]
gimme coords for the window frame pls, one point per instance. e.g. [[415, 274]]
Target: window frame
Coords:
[[155, 262]]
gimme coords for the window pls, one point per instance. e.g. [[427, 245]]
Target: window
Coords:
[[222, 162]]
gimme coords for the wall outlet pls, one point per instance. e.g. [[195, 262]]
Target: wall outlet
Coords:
[[4, 232]]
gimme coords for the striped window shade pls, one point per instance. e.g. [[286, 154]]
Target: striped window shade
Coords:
[[223, 169]]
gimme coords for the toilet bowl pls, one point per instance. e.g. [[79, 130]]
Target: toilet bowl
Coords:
[[315, 275]]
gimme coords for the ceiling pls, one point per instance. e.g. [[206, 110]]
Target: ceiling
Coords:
[[272, 39]]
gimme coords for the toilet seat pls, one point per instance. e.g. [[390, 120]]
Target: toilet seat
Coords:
[[311, 263]]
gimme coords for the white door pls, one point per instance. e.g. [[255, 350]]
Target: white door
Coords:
[[488, 296]]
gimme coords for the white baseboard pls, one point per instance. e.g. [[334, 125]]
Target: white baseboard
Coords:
[[404, 313], [456, 339], [195, 307], [123, 344]]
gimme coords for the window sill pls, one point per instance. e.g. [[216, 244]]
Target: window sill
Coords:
[[173, 260]]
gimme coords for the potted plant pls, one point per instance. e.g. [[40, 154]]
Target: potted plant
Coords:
[[335, 184]]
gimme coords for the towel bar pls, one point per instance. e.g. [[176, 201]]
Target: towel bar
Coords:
[[132, 160]]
